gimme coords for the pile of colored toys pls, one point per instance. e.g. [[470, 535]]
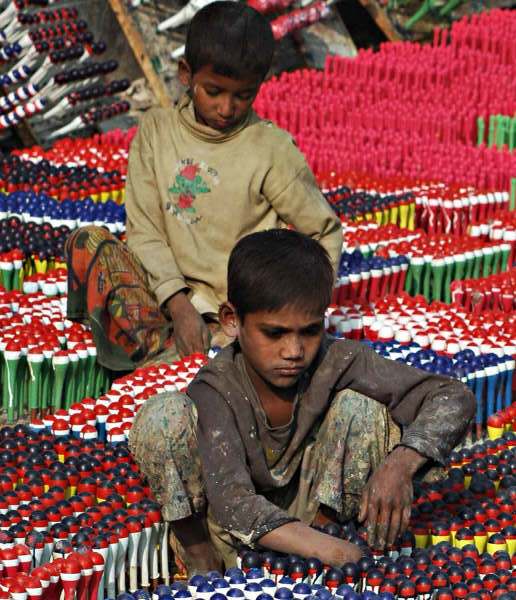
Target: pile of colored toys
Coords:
[[47, 363], [435, 207], [414, 262], [71, 497], [73, 168], [64, 500], [407, 109], [51, 72]]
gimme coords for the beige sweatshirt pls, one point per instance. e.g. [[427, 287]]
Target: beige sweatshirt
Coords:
[[192, 192]]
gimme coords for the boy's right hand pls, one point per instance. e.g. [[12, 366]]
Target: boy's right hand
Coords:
[[298, 538], [190, 330]]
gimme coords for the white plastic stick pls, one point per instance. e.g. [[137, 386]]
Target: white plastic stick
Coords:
[[164, 543], [134, 539], [120, 564], [143, 556]]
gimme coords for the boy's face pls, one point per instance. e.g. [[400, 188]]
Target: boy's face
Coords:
[[278, 346], [220, 102]]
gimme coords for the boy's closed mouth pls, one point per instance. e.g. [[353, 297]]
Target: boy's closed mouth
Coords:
[[290, 370], [223, 124]]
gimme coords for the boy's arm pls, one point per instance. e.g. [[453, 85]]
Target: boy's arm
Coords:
[[233, 500], [146, 235], [292, 190], [434, 413], [147, 238], [302, 540]]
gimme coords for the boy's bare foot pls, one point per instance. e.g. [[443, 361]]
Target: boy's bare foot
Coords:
[[193, 545], [201, 558]]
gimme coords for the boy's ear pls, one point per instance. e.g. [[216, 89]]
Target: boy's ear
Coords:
[[228, 319], [184, 73]]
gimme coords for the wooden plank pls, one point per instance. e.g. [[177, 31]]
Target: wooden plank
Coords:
[[26, 135], [327, 37], [138, 47], [381, 19]]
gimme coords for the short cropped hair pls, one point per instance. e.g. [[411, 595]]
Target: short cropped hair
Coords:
[[272, 269], [233, 38]]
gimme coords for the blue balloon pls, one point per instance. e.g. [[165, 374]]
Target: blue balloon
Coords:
[[343, 590], [197, 580], [268, 584], [233, 571], [367, 595], [283, 593], [302, 589], [255, 573]]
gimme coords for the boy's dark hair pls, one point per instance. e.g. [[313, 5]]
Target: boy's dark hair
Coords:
[[233, 38], [272, 269]]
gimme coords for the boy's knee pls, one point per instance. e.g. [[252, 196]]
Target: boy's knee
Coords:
[[362, 416], [164, 445], [161, 424], [85, 235], [351, 403], [96, 231]]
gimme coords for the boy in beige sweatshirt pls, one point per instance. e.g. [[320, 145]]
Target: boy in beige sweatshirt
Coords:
[[201, 176]]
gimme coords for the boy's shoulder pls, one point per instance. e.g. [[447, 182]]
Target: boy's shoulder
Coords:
[[267, 132], [155, 118], [220, 367]]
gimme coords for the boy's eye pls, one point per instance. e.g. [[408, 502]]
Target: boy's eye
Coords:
[[246, 96], [313, 330], [273, 334], [212, 92]]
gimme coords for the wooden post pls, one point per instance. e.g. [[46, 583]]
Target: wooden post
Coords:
[[381, 19], [136, 42], [25, 134]]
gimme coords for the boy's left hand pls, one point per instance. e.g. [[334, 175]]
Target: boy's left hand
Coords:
[[387, 498]]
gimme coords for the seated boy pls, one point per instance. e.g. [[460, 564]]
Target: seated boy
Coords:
[[287, 427], [201, 176]]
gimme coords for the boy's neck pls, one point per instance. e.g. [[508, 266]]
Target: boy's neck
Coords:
[[277, 403]]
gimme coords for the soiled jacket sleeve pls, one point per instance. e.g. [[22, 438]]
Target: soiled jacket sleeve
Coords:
[[292, 190], [233, 500], [434, 411], [146, 234]]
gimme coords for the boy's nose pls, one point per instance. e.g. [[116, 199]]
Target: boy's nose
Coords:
[[226, 108], [293, 348]]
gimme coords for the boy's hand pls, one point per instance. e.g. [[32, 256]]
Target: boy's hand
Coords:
[[387, 498], [190, 330], [298, 538]]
